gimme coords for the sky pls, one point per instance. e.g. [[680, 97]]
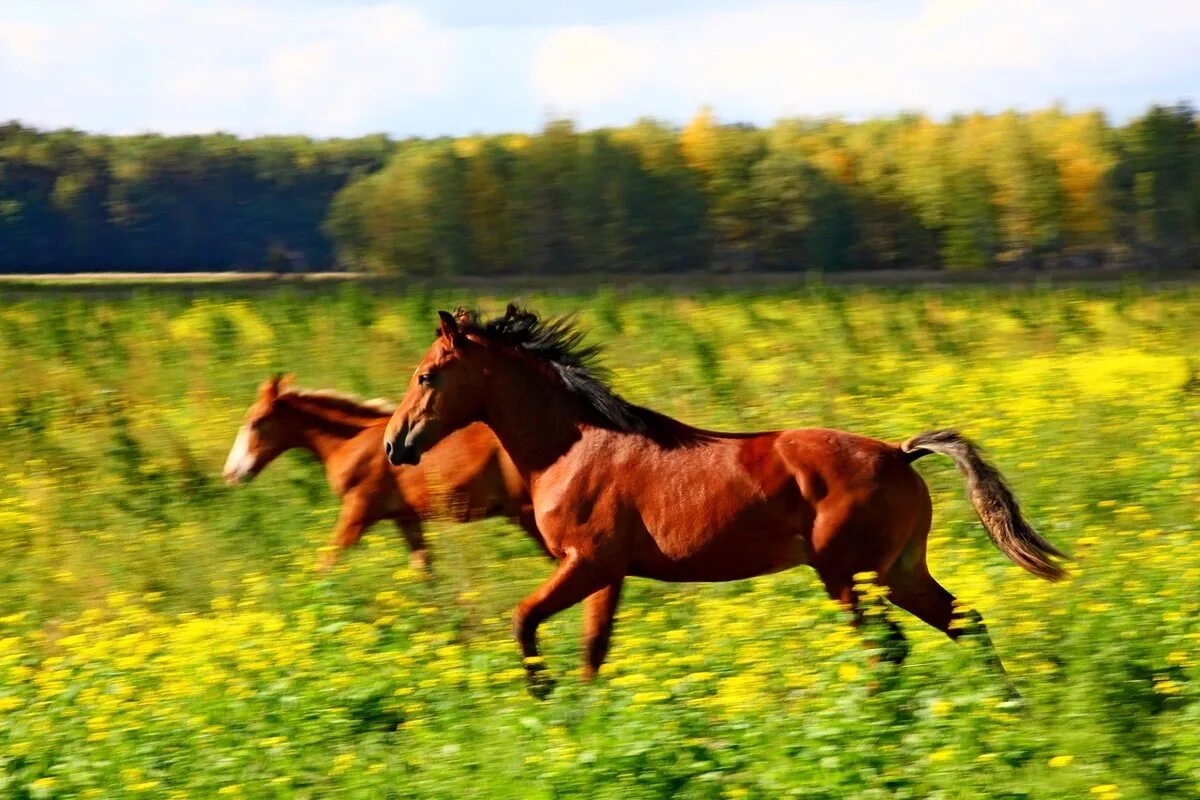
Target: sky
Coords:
[[436, 67]]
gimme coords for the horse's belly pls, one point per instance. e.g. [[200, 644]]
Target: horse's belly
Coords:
[[733, 553]]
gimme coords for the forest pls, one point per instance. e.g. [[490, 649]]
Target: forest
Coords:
[[1047, 189]]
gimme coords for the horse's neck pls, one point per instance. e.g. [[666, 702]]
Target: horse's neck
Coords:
[[323, 434], [536, 421]]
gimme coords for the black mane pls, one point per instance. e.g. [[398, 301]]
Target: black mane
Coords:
[[559, 343]]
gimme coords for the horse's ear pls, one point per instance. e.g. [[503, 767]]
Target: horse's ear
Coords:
[[269, 390], [511, 311], [450, 330]]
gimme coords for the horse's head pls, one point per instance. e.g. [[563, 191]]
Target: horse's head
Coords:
[[446, 393], [261, 438]]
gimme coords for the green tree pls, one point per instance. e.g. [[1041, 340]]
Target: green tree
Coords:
[[802, 219], [1159, 182]]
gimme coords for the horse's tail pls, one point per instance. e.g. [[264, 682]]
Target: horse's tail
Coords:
[[993, 501]]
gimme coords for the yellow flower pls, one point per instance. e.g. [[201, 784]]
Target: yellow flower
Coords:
[[640, 698], [44, 785], [342, 763], [1061, 761]]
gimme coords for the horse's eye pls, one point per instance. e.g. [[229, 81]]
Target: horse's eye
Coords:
[[425, 379]]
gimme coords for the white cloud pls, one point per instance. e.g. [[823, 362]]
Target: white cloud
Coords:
[[585, 65], [23, 45], [348, 67], [862, 57], [150, 64]]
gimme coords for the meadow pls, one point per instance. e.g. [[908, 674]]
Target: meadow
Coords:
[[163, 635]]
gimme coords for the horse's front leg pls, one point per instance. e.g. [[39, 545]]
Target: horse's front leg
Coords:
[[574, 579], [352, 521], [413, 533]]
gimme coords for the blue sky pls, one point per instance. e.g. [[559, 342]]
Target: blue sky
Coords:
[[430, 67]]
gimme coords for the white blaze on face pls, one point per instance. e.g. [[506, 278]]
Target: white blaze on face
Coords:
[[241, 461]]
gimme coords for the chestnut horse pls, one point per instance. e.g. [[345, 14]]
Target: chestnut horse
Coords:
[[468, 476], [620, 490]]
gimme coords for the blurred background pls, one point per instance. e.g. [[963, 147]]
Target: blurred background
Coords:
[[880, 217], [581, 138]]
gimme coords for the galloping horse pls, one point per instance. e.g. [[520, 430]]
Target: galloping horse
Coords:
[[620, 490], [469, 474]]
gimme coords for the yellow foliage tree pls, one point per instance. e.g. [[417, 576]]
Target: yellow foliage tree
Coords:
[[700, 142]]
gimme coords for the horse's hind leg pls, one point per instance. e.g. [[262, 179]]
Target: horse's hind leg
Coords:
[[600, 610], [880, 630], [916, 591], [851, 547]]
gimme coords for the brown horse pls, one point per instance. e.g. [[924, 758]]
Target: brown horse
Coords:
[[621, 490], [468, 476]]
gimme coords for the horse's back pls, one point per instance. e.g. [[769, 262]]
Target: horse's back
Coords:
[[467, 475], [820, 460], [747, 504], [847, 459], [837, 468], [361, 466], [474, 473]]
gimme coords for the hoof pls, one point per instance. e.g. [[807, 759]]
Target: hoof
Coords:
[[883, 681], [539, 683], [419, 562], [1013, 700]]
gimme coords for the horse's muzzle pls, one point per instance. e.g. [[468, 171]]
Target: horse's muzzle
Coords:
[[403, 448], [398, 455]]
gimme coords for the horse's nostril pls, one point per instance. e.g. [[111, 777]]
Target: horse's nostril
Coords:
[[387, 449]]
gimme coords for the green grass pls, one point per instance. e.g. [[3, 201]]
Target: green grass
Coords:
[[163, 635]]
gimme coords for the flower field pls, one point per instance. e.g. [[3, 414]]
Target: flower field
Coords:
[[163, 635]]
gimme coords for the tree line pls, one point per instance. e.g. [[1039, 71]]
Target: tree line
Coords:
[[1042, 189], [73, 202]]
